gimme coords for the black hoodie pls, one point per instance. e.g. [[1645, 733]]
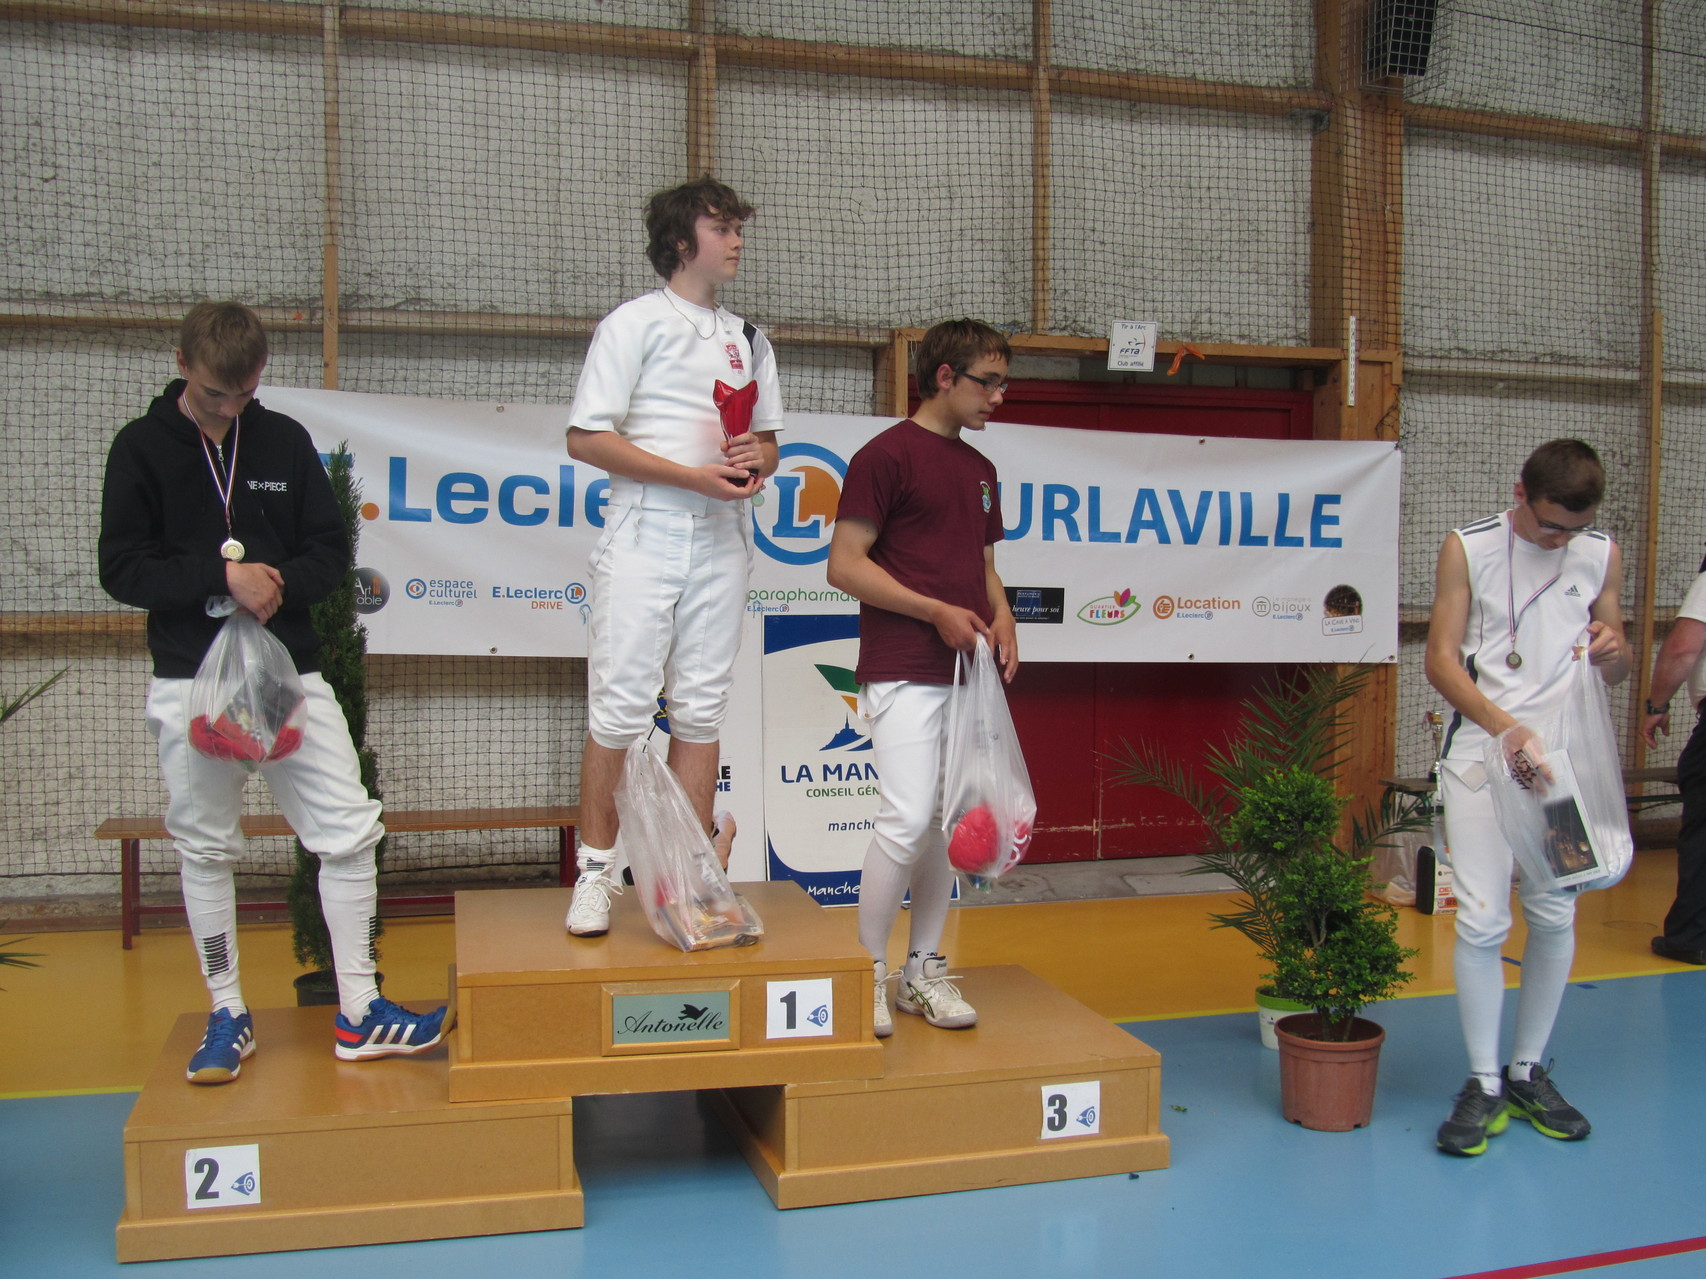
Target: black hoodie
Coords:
[[162, 521]]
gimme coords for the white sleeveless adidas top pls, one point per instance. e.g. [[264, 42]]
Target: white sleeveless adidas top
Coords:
[[1505, 570]]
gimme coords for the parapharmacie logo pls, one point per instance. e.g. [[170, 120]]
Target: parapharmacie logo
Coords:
[[1111, 610]]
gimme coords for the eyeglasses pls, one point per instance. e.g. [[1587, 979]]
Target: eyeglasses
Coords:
[[992, 385], [1567, 530]]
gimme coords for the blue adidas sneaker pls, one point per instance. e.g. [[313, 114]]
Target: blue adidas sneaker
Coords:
[[390, 1031], [228, 1040]]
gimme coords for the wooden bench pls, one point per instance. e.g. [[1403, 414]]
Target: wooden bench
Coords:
[[1632, 777], [131, 831]]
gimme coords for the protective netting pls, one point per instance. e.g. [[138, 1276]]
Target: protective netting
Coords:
[[1048, 165]]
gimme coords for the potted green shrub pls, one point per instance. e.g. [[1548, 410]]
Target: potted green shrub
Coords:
[[1332, 947], [343, 664], [1253, 798]]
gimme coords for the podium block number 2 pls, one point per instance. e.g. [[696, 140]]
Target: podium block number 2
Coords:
[[222, 1177], [799, 1009], [1072, 1110]]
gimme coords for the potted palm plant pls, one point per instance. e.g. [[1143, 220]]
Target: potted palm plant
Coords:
[[1253, 798]]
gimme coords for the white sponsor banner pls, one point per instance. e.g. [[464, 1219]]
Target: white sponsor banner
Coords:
[[1120, 547]]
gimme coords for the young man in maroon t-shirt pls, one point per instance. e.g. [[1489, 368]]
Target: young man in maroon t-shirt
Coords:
[[915, 544]]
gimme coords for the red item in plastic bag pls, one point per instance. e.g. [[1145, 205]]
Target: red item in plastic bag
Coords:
[[972, 846], [289, 738], [224, 739]]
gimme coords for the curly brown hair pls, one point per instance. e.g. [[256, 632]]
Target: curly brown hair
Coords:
[[672, 217]]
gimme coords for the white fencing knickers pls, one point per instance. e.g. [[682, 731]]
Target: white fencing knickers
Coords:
[[319, 792], [669, 580]]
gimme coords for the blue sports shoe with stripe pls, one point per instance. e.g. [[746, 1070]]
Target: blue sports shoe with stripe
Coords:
[[389, 1031], [229, 1039]]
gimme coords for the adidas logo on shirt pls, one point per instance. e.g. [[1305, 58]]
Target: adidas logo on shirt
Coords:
[[1574, 590]]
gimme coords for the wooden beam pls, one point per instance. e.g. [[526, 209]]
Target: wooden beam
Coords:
[[1042, 167], [133, 315], [1532, 128], [332, 230], [1178, 91], [1652, 371], [702, 90], [73, 623]]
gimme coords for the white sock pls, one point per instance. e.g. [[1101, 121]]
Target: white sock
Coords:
[[210, 901], [1480, 975], [1523, 1070], [594, 861], [882, 884], [1546, 960], [349, 900], [1490, 1083], [932, 889]]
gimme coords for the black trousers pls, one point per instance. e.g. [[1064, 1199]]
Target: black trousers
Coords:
[[1685, 926]]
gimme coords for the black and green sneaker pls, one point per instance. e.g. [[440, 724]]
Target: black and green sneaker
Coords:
[[1539, 1101], [1475, 1116]]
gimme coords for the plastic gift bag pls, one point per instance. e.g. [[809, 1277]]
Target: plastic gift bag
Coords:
[[684, 892], [247, 704], [1575, 834], [988, 807], [1394, 869]]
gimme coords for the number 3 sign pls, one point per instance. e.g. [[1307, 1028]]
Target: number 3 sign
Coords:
[[1072, 1110]]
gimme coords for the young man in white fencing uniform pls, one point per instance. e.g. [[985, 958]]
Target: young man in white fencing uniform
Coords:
[[679, 402], [211, 498], [914, 542], [1519, 598]]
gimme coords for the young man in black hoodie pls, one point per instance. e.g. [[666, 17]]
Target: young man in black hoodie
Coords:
[[213, 503]]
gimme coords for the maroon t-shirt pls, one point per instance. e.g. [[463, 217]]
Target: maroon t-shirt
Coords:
[[936, 508]]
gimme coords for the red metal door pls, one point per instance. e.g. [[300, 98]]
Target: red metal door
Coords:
[[1072, 715]]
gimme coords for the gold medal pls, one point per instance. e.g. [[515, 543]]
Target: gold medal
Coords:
[[231, 549]]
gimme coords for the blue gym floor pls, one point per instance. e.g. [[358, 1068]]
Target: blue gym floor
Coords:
[[1247, 1194]]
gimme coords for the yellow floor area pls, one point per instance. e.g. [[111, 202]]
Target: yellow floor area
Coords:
[[92, 1018]]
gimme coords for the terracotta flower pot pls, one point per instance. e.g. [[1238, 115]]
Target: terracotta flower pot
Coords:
[[1326, 1085]]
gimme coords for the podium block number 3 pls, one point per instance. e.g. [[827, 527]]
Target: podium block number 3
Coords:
[[1072, 1110], [222, 1177], [799, 1009]]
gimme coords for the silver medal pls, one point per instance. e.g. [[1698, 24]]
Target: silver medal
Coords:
[[1514, 661], [231, 549]]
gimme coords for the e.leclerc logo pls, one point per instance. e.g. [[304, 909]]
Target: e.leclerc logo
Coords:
[[794, 523]]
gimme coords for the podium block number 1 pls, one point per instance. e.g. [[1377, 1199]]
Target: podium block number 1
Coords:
[[1072, 1110], [222, 1177], [799, 1009]]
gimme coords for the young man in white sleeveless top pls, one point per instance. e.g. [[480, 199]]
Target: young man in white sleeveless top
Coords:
[[1519, 598], [665, 376]]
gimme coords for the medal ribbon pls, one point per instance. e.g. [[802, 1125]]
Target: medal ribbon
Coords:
[[223, 488], [1513, 612]]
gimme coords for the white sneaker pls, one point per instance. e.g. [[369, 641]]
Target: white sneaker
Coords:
[[932, 996], [881, 1021], [589, 909]]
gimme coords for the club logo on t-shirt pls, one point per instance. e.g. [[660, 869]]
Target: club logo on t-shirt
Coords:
[[987, 499], [734, 357]]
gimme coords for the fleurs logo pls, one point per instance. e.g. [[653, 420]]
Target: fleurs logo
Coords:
[[1110, 610], [793, 524], [846, 687]]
